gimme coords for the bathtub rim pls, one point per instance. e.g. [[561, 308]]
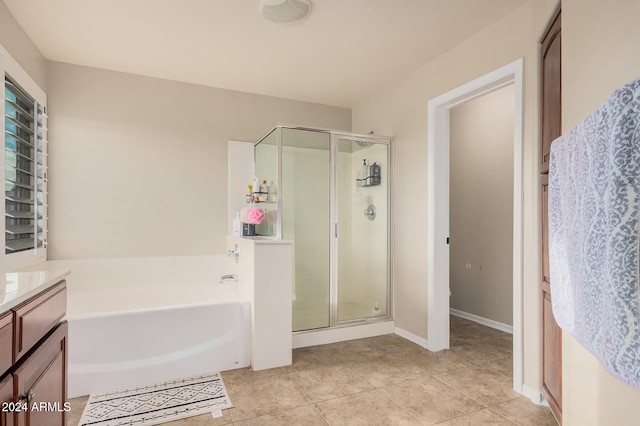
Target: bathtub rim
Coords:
[[160, 308]]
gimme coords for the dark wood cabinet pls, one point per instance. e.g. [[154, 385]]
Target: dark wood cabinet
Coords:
[[544, 227], [551, 332], [551, 113], [33, 390], [41, 381], [551, 371], [6, 342], [6, 396], [551, 128], [37, 317]]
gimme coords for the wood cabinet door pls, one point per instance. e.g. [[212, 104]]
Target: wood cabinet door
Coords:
[[6, 342], [38, 316], [6, 396], [551, 128], [551, 332], [41, 380], [551, 112]]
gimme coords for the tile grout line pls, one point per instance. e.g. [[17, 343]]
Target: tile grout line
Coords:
[[462, 392], [312, 404]]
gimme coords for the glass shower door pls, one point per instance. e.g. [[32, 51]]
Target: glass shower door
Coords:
[[305, 207], [266, 169], [362, 169]]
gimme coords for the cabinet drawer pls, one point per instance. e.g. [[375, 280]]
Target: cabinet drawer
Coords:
[[37, 317], [6, 339]]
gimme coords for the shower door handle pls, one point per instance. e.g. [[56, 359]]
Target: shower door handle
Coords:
[[335, 229]]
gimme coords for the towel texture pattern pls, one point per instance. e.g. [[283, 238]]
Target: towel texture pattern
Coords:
[[594, 211]]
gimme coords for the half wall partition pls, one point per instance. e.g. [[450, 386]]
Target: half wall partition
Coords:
[[328, 192]]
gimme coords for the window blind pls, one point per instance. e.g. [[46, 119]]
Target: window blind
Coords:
[[25, 173]]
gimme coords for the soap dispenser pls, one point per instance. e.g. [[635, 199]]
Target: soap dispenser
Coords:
[[374, 174], [236, 226], [365, 172]]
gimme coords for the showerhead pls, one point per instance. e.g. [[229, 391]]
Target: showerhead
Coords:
[[364, 143], [285, 11]]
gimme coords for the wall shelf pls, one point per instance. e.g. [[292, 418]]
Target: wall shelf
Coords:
[[369, 181], [261, 197]]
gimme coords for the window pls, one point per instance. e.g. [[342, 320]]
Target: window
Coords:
[[25, 161]]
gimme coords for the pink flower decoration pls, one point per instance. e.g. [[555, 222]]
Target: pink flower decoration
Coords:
[[255, 216]]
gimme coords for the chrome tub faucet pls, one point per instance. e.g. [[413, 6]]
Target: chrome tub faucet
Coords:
[[228, 277]]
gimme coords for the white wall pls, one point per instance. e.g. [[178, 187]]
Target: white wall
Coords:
[[599, 54], [401, 110], [21, 48], [481, 206], [138, 165]]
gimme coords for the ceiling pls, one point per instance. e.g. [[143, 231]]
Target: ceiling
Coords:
[[344, 51]]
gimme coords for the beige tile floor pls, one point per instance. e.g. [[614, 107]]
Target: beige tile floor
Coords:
[[384, 380]]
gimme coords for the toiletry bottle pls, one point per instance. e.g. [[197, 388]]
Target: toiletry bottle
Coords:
[[264, 191], [236, 226], [374, 170], [365, 172], [249, 197], [256, 189], [273, 192], [374, 174]]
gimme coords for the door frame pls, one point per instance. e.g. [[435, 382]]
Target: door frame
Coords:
[[438, 142]]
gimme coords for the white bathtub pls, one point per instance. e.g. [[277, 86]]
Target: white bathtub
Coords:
[[139, 321]]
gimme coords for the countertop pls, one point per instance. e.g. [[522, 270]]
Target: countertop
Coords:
[[16, 287], [260, 239]]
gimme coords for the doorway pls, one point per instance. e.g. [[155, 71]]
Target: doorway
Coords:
[[438, 228], [481, 209]]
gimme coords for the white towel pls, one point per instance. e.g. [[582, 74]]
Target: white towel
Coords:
[[594, 213]]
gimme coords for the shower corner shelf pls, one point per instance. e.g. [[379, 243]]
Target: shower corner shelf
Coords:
[[369, 181], [255, 198]]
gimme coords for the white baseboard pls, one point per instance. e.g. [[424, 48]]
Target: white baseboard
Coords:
[[484, 321], [535, 397], [412, 337]]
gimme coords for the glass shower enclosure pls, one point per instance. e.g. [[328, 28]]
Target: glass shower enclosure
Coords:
[[328, 192]]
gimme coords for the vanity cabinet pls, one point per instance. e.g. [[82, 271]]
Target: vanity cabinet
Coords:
[[33, 390], [6, 342], [6, 395], [41, 379], [38, 316]]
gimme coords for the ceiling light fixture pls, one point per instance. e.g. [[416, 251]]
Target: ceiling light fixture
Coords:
[[285, 11]]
